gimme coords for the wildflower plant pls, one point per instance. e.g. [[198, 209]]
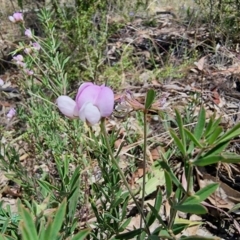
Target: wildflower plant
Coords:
[[84, 193]]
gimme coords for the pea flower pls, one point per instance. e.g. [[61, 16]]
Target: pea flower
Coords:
[[91, 104], [11, 114], [28, 33], [36, 46], [16, 17], [19, 60]]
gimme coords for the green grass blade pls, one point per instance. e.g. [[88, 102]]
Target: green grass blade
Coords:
[[82, 235], [181, 130], [178, 142], [232, 133], [198, 131], [149, 98]]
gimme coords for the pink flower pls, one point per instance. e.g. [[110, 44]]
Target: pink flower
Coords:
[[28, 72], [28, 50], [28, 33], [16, 17], [11, 114], [19, 60], [91, 104], [36, 46]]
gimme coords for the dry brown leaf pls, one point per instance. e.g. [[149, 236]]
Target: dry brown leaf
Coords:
[[155, 153], [224, 197], [200, 63]]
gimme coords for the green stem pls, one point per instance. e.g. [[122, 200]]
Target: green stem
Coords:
[[122, 174], [144, 159]]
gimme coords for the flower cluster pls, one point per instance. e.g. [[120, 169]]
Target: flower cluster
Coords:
[[16, 17], [31, 48], [91, 103]]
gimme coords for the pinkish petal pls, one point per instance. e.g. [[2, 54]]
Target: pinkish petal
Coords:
[[90, 113], [11, 113], [105, 101], [81, 88], [12, 19], [67, 106], [18, 16], [87, 94], [28, 33]]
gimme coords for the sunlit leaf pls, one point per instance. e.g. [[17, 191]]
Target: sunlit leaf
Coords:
[[191, 208], [27, 224], [58, 220], [198, 130]]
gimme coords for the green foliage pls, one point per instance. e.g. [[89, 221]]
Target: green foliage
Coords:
[[222, 16], [73, 43]]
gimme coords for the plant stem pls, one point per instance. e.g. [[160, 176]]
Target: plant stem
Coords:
[[144, 159], [122, 174]]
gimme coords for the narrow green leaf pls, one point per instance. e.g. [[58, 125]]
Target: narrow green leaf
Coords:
[[178, 142], [202, 194], [191, 208], [224, 157], [149, 98], [178, 228], [129, 235], [181, 131], [229, 157], [216, 149], [212, 125], [198, 131], [81, 235], [27, 225], [199, 238], [58, 220], [156, 214], [193, 138], [209, 126], [232, 133], [175, 180], [213, 137], [124, 225], [168, 182], [205, 161], [158, 202]]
